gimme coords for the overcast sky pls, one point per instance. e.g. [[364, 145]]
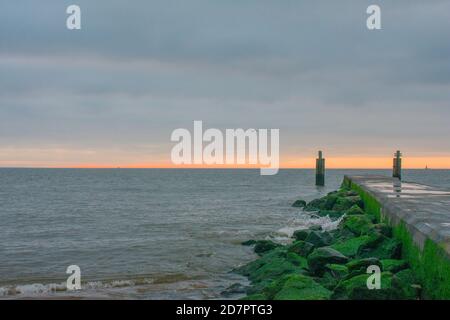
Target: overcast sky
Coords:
[[113, 92]]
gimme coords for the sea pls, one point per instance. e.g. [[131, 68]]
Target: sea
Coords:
[[150, 233]]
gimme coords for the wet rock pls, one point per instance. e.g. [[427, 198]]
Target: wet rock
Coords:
[[359, 266], [315, 228], [358, 224], [383, 229], [354, 210], [270, 266], [319, 239], [296, 287], [389, 248], [337, 271], [301, 234], [262, 246], [301, 248], [299, 204], [356, 288], [407, 284], [394, 265], [320, 257], [249, 243], [316, 205], [356, 246], [345, 203]]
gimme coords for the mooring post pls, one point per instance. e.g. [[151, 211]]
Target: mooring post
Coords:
[[320, 170], [397, 170]]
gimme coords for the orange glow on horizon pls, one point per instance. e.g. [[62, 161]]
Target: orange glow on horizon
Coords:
[[300, 163]]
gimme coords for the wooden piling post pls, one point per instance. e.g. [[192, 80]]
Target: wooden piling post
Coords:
[[397, 168], [320, 170]]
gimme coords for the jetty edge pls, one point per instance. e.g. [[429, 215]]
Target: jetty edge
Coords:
[[333, 264], [420, 218]]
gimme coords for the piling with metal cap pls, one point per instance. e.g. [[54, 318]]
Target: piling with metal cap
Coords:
[[397, 169], [320, 170]]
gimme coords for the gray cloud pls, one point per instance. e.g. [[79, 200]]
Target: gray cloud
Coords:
[[137, 70]]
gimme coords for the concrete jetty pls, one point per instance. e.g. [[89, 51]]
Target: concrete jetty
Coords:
[[420, 217]]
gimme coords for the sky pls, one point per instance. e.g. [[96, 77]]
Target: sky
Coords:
[[112, 93]]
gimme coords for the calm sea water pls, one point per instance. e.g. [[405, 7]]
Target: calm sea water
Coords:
[[147, 234]]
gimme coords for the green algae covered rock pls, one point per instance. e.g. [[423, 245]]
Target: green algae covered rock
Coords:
[[320, 257], [263, 246], [316, 205], [301, 248], [393, 265], [359, 266], [384, 229], [297, 260], [389, 248], [354, 210], [301, 234], [249, 242], [356, 288], [299, 204], [296, 287], [345, 203], [355, 246], [358, 224], [338, 271], [319, 239], [407, 283], [273, 264]]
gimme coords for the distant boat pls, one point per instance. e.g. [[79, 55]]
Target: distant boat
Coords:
[[426, 167]]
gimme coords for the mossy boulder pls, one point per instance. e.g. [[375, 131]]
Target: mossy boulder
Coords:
[[301, 248], [338, 271], [354, 210], [407, 283], [359, 266], [273, 264], [356, 288], [296, 287], [316, 204], [356, 246], [394, 265], [383, 228], [345, 203], [319, 239], [358, 224], [301, 234], [320, 257], [297, 260], [299, 204], [263, 246], [389, 248], [249, 242]]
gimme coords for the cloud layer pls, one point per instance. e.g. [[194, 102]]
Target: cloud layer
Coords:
[[116, 89]]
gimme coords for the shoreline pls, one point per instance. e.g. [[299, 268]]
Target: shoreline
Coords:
[[333, 264]]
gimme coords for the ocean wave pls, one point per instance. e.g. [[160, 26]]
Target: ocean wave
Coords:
[[305, 221], [50, 289]]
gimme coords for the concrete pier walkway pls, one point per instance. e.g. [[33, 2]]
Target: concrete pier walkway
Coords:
[[424, 209], [419, 213]]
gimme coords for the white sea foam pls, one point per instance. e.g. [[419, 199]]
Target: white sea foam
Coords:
[[305, 221], [43, 290]]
